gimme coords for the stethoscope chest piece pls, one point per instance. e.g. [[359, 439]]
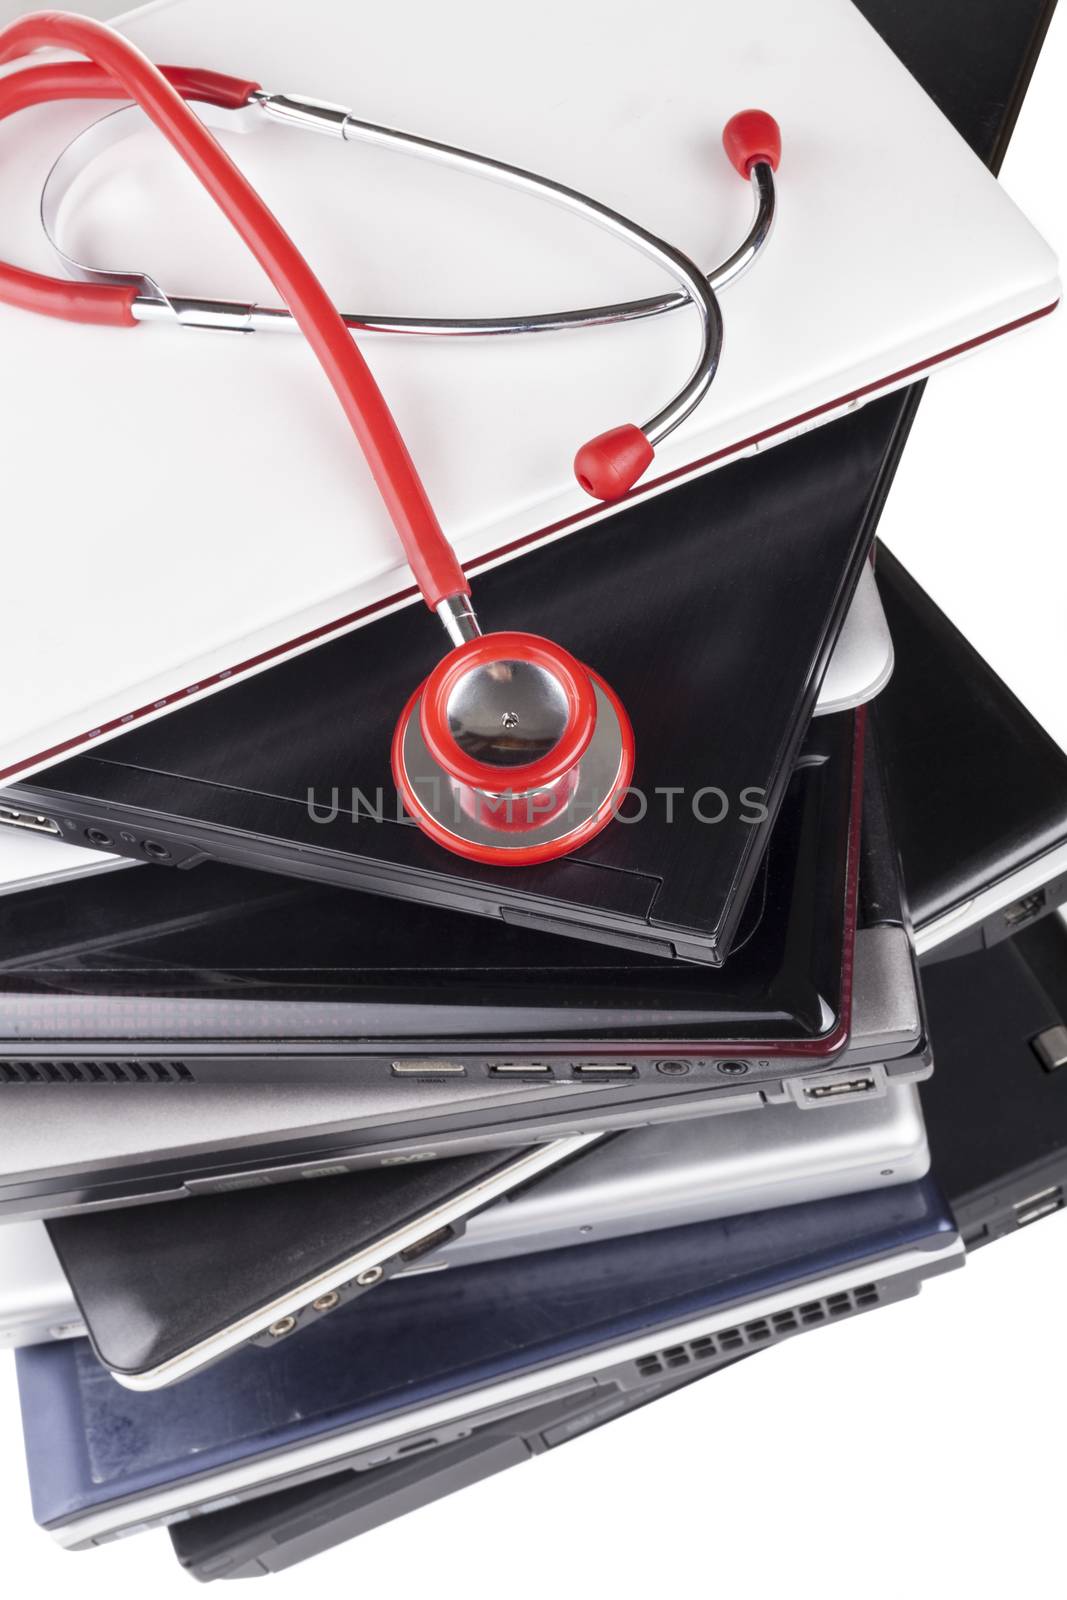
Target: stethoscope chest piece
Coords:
[[512, 752]]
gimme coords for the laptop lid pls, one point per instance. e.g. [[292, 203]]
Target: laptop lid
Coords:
[[833, 313], [860, 666], [195, 968], [166, 1291], [290, 772], [978, 788]]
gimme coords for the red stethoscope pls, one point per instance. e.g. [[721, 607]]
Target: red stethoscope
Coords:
[[511, 752]]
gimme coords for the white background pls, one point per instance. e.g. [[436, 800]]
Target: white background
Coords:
[[912, 1451]]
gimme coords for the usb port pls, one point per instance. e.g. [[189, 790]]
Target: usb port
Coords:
[[604, 1069], [520, 1069], [839, 1088], [1039, 1205], [1025, 910], [32, 821], [429, 1069]]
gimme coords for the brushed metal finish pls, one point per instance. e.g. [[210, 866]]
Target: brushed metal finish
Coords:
[[676, 1174]]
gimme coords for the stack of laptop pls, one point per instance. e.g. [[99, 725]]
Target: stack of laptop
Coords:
[[339, 1173]]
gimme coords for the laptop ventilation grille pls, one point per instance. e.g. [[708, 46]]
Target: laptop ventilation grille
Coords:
[[763, 1330], [95, 1072]]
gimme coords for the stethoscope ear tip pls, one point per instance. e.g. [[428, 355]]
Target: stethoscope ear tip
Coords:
[[752, 136], [611, 463]]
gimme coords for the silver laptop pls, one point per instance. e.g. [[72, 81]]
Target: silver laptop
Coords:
[[669, 1176], [64, 1151], [649, 1179]]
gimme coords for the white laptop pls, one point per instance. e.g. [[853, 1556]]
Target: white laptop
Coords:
[[190, 507]]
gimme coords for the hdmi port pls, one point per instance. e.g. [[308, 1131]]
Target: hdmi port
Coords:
[[32, 821], [605, 1069]]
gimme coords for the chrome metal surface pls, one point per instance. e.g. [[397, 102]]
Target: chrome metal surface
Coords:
[[300, 112], [219, 315], [597, 774], [457, 615], [246, 317], [154, 304], [508, 713]]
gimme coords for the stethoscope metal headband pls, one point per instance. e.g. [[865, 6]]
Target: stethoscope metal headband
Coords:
[[630, 448]]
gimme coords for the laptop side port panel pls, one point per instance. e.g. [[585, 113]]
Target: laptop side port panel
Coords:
[[117, 835]]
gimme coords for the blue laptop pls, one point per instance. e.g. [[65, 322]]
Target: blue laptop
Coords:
[[426, 1360]]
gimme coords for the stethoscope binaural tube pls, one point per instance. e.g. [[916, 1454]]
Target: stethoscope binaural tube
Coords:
[[558, 742], [752, 141], [608, 465]]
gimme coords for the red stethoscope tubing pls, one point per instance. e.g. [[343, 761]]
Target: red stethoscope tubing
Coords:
[[118, 67]]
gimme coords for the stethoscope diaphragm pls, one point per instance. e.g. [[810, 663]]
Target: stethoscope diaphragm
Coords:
[[512, 752]]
